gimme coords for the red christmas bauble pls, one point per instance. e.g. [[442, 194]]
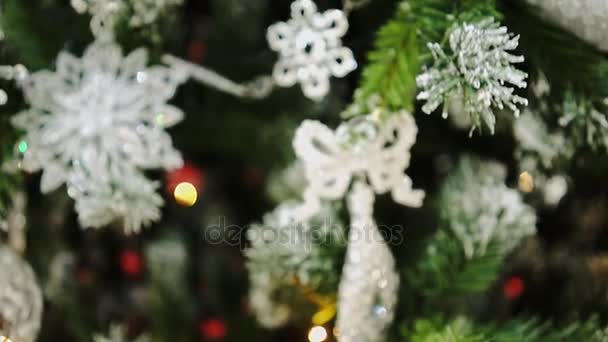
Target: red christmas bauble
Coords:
[[513, 288], [188, 173], [131, 263], [213, 329]]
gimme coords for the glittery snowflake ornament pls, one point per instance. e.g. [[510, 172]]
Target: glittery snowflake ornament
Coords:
[[20, 298], [371, 155], [478, 72], [310, 48], [95, 124]]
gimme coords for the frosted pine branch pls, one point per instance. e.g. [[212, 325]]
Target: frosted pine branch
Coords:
[[478, 71]]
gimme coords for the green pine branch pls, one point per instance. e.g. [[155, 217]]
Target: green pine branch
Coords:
[[400, 48], [521, 330], [394, 63], [444, 274]]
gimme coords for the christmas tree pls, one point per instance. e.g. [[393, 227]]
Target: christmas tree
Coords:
[[292, 170]]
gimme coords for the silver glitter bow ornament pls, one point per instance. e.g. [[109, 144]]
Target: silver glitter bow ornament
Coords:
[[374, 155], [310, 48]]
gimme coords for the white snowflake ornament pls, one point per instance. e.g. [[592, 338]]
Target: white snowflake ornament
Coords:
[[310, 48], [95, 124]]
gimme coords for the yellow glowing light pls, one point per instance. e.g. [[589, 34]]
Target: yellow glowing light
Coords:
[[324, 315], [526, 182], [185, 194], [317, 334], [5, 339]]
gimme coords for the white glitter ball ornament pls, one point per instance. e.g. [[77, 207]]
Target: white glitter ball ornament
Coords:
[[310, 48], [95, 123], [20, 298]]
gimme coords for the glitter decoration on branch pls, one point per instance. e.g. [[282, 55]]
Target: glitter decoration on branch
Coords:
[[587, 125], [373, 155], [543, 153], [481, 210], [478, 71], [536, 142], [20, 298], [282, 255], [310, 48], [95, 124]]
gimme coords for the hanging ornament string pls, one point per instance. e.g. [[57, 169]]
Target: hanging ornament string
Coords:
[[310, 52], [257, 89], [351, 5]]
